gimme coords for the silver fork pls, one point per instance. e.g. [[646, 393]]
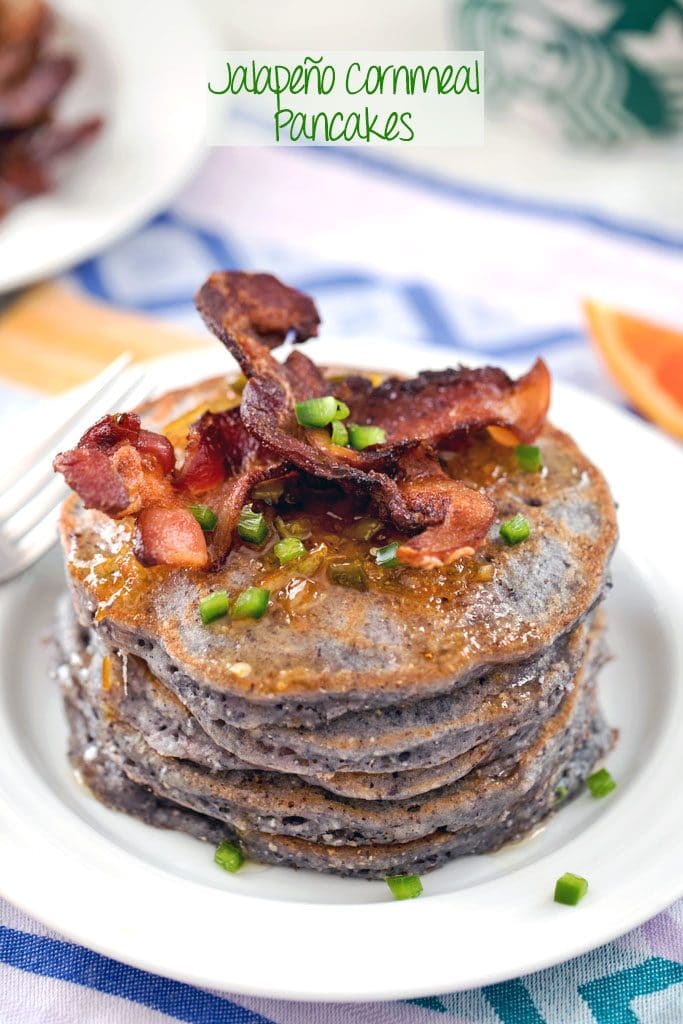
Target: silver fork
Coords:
[[31, 493]]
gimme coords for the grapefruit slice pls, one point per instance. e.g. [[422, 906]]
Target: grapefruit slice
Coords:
[[646, 361]]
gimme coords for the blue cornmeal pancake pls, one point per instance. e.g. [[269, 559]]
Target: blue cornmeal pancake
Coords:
[[125, 690], [249, 800], [493, 806], [322, 649]]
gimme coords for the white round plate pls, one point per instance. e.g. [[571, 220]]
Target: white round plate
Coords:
[[156, 900], [141, 69]]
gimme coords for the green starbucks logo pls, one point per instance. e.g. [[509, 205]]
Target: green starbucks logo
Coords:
[[593, 70]]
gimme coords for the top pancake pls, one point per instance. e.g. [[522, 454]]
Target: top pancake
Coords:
[[322, 648]]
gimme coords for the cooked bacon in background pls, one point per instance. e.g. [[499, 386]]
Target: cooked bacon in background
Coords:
[[23, 24], [31, 82], [122, 469]]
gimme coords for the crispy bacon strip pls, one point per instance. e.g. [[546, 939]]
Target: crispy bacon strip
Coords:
[[124, 470], [118, 467], [27, 101], [252, 313], [435, 405], [461, 516], [225, 460], [410, 488], [217, 446], [403, 476], [169, 536]]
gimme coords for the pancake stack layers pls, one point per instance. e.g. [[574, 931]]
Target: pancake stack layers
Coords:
[[377, 719]]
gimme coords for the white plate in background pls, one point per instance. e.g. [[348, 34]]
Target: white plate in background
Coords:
[[156, 900], [141, 67]]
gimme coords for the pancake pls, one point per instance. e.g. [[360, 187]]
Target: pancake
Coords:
[[252, 801], [112, 787], [128, 691], [286, 805], [425, 733], [404, 639]]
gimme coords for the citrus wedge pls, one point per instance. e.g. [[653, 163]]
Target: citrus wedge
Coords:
[[646, 361]]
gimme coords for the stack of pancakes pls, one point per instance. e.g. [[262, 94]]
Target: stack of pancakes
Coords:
[[369, 733]]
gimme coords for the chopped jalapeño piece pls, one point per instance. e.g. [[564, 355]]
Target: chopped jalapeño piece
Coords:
[[515, 530], [250, 603], [252, 526], [362, 436], [405, 887], [288, 550], [570, 889], [229, 857], [214, 606], [386, 556]]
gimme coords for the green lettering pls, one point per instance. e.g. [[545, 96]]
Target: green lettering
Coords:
[[331, 135], [222, 92], [352, 127], [297, 83], [390, 129], [347, 82], [406, 118], [370, 129], [283, 117]]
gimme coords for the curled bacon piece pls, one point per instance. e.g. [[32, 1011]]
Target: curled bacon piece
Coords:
[[461, 516], [252, 313], [406, 481], [217, 446], [437, 404], [224, 459], [118, 467], [169, 536], [122, 469]]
